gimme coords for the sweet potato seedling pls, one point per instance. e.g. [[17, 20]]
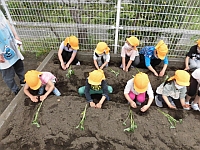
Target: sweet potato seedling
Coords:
[[81, 123], [69, 72], [35, 121], [133, 125], [115, 72], [171, 119]]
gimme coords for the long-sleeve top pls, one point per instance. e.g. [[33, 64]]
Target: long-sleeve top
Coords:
[[104, 88]]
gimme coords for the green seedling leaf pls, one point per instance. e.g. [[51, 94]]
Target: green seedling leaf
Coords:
[[115, 72], [81, 123], [137, 70], [171, 119], [35, 121], [133, 125], [70, 72]]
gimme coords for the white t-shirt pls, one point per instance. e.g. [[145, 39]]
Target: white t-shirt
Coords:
[[131, 53], [196, 75], [130, 87], [106, 57]]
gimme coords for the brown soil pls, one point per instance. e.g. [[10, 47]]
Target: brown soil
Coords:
[[104, 130]]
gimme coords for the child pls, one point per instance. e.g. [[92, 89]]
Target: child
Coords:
[[136, 89], [151, 56], [192, 60], [129, 53], [101, 55], [67, 52], [38, 81], [174, 89], [96, 84], [194, 84]]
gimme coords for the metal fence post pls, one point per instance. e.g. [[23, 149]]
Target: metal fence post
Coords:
[[117, 26]]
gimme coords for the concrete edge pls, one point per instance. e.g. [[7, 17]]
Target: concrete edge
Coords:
[[82, 56], [11, 107]]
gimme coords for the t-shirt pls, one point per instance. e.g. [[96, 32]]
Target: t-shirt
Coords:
[[105, 56], [130, 87], [65, 48], [170, 90], [7, 40], [193, 53], [46, 76], [130, 53], [196, 75], [148, 52]]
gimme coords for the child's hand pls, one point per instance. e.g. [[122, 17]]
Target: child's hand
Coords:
[[133, 104], [98, 105], [144, 108], [155, 73], [34, 98], [63, 66], [2, 60], [43, 97], [92, 104], [172, 107], [161, 73]]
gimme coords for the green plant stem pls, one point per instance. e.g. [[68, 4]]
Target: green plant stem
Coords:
[[81, 123], [137, 70], [115, 72], [133, 126], [35, 121], [171, 119]]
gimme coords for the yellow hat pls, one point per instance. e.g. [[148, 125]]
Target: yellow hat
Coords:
[[32, 79], [73, 42], [161, 49], [141, 81], [198, 43], [182, 77], [95, 77], [133, 41], [101, 48]]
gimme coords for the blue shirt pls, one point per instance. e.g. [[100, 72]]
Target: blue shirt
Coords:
[[148, 52]]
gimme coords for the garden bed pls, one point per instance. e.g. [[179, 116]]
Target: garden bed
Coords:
[[103, 128]]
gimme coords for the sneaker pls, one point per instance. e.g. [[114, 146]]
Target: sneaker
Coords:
[[186, 107], [132, 66], [17, 91], [158, 102], [56, 92], [138, 103], [22, 83], [78, 63], [195, 106], [187, 103]]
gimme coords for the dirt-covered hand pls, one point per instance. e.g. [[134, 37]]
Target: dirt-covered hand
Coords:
[[161, 73], [34, 98], [92, 104], [172, 107], [144, 108], [98, 105], [43, 97], [133, 104]]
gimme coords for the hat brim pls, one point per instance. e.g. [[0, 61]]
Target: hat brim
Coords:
[[140, 90], [75, 48], [93, 83], [162, 57], [183, 83], [98, 52], [37, 86]]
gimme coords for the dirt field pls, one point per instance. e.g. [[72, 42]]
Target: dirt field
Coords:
[[104, 128]]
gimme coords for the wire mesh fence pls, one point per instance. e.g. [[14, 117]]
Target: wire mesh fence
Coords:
[[43, 24]]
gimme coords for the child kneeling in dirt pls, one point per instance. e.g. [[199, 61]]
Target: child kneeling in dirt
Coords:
[[101, 55], [67, 52], [96, 84], [174, 89], [36, 80], [136, 89], [130, 54]]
